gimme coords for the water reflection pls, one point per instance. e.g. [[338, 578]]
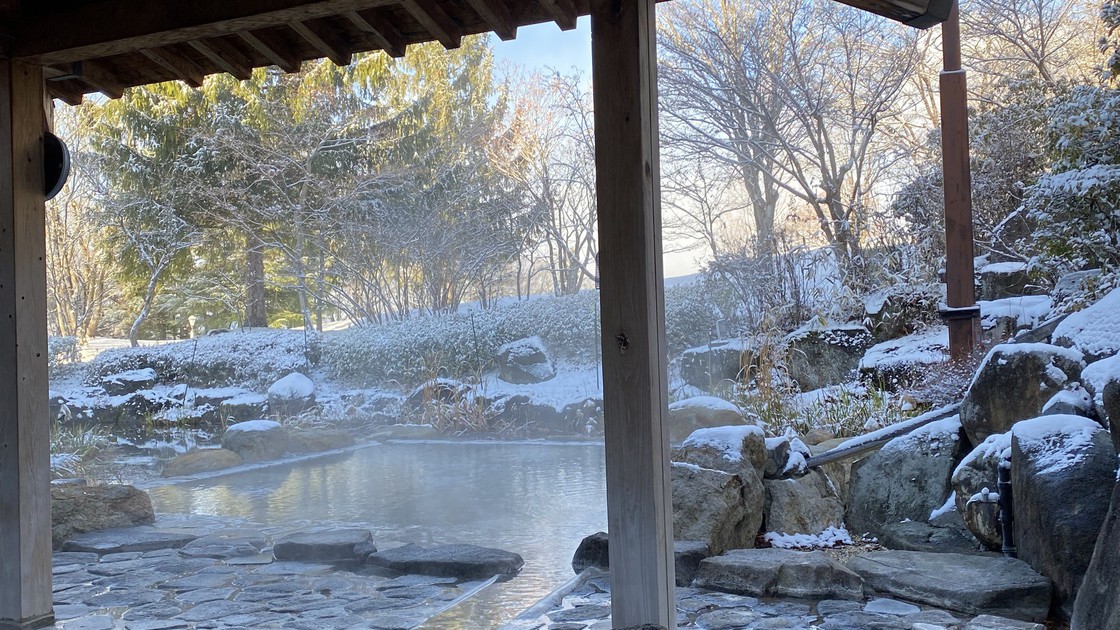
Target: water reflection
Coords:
[[536, 499]]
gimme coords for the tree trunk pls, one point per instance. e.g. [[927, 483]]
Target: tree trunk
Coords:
[[256, 310], [149, 298]]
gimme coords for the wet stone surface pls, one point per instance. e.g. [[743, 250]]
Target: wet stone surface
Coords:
[[209, 584], [586, 607]]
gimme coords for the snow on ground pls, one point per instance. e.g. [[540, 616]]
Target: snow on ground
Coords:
[[1027, 311], [572, 384], [705, 402], [1058, 442], [830, 537], [826, 395], [142, 375], [1094, 330], [727, 440], [925, 348], [1076, 397]]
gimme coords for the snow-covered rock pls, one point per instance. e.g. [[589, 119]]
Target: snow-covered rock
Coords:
[[899, 310], [899, 362], [700, 412], [719, 508], [129, 381], [200, 461], [1063, 469], [977, 472], [1008, 315], [721, 360], [737, 449], [441, 390], [785, 457], [1095, 331], [1004, 280], [291, 395], [1102, 381], [1073, 400], [1013, 383], [823, 354], [906, 479], [256, 440], [242, 407], [525, 361]]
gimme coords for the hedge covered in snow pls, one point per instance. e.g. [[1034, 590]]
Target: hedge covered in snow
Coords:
[[463, 344], [256, 358]]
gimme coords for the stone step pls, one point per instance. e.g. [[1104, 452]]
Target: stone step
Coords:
[[976, 585], [779, 573]]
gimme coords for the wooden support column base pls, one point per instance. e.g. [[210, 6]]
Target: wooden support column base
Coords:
[[27, 624]]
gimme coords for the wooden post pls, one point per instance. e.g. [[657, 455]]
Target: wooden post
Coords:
[[962, 314], [639, 494], [25, 499]]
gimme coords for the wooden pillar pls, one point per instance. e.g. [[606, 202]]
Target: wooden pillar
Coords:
[[25, 501], [963, 316], [639, 495]]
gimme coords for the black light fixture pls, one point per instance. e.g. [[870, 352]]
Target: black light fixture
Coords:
[[56, 164]]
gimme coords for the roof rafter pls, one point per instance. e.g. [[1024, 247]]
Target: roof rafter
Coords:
[[325, 40], [266, 44], [176, 64], [496, 14], [435, 20], [382, 32], [563, 13], [225, 56]]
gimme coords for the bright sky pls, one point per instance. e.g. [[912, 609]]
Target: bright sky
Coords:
[[545, 46]]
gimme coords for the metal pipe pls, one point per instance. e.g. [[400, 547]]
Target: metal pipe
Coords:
[[1006, 512]]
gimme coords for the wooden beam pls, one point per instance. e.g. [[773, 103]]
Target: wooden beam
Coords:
[[61, 32], [25, 494], [497, 16], [635, 394], [960, 270], [563, 12], [325, 41], [383, 33], [224, 55], [267, 45], [436, 21], [90, 73], [178, 65]]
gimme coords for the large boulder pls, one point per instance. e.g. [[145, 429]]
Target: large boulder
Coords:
[[819, 356], [129, 381], [441, 390], [700, 412], [907, 479], [1062, 471], [978, 472], [1098, 599], [76, 509], [1095, 331], [976, 585], [899, 363], [735, 449], [806, 505], [256, 440], [1074, 400], [525, 361], [1013, 383], [779, 573], [594, 551], [1004, 280], [722, 360], [291, 395], [242, 407], [1102, 380], [519, 411], [719, 508], [900, 310], [201, 461], [838, 472]]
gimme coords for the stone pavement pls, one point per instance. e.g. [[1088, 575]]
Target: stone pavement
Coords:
[[203, 573], [587, 607]]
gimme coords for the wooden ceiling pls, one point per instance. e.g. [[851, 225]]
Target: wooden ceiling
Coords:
[[106, 46]]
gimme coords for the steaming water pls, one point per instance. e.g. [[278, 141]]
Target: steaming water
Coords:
[[538, 500]]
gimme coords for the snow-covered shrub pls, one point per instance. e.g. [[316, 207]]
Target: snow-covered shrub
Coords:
[[255, 359], [62, 352], [1076, 207], [462, 344], [690, 317]]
